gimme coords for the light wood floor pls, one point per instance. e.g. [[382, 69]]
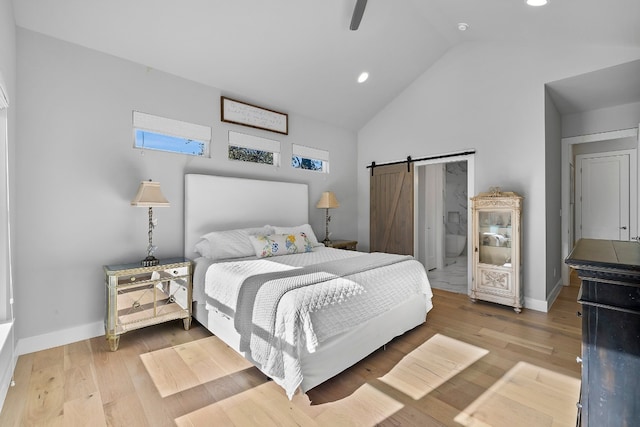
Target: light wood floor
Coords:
[[468, 365]]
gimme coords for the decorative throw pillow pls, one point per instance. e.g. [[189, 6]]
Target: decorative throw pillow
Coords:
[[219, 245], [280, 244], [304, 228]]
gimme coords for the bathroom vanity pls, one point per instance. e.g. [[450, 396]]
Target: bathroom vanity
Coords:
[[497, 248]]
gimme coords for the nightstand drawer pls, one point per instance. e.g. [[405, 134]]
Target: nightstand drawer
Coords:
[[132, 279], [178, 271], [146, 276]]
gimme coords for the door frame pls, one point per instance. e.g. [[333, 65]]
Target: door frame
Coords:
[[433, 198], [566, 180], [442, 159]]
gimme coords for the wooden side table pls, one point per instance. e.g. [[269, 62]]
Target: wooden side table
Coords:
[[139, 296], [349, 245]]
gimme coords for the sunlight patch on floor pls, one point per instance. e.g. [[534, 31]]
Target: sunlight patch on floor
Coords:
[[184, 366], [267, 405], [528, 394], [437, 360]]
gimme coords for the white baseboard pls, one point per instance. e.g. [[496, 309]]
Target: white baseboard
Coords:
[[542, 305], [7, 359], [554, 294], [58, 338], [535, 304]]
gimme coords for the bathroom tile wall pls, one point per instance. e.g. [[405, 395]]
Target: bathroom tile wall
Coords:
[[456, 198]]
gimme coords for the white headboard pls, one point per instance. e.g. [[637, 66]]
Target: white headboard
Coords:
[[214, 203]]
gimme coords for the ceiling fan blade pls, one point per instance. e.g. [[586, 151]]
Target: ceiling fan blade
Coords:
[[358, 11]]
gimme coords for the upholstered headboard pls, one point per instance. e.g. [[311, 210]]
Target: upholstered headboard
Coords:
[[214, 203]]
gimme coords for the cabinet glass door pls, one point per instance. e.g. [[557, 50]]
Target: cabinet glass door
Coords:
[[495, 233]]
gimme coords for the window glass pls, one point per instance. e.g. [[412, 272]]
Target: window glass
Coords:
[[173, 144], [299, 162], [250, 155]]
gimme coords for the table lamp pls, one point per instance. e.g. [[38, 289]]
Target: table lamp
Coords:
[[327, 201], [149, 195]]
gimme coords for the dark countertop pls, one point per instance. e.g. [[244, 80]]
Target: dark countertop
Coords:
[[605, 254]]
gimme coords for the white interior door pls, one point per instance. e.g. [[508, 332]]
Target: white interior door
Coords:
[[602, 196]]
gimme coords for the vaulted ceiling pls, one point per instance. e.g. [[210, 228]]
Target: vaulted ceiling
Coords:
[[300, 56]]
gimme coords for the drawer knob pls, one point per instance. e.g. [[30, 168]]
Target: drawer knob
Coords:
[[578, 313], [175, 272], [133, 278], [578, 359], [579, 405]]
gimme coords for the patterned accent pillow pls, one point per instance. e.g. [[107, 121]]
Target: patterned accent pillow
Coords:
[[280, 244], [304, 228]]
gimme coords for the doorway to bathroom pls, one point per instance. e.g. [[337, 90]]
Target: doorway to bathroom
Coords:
[[442, 221]]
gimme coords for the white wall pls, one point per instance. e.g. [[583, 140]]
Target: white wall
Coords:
[[553, 218], [619, 117], [77, 172], [490, 97]]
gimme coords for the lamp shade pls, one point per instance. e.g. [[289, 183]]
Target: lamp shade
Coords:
[[150, 196], [328, 201]]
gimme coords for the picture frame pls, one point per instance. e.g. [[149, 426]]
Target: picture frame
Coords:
[[242, 113]]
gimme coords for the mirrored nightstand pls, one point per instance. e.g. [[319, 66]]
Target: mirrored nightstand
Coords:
[[140, 296]]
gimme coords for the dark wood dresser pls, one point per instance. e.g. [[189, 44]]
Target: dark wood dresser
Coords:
[[610, 299]]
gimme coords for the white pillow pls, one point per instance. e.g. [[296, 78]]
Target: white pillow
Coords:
[[219, 245], [304, 228], [280, 244]]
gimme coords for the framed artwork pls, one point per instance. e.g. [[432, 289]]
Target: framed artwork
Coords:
[[241, 113]]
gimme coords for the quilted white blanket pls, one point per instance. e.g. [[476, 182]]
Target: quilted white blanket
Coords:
[[279, 310]]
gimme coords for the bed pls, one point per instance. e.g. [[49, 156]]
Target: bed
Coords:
[[302, 317]]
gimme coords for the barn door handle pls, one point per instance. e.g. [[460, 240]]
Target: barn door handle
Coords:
[[624, 227]]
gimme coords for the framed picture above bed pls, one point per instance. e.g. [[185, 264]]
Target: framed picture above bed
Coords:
[[241, 113]]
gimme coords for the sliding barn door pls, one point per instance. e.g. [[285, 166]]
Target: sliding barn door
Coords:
[[391, 210]]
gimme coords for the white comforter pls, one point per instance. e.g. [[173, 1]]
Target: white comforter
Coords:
[[286, 304]]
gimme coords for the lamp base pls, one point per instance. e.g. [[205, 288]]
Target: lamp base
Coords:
[[150, 261]]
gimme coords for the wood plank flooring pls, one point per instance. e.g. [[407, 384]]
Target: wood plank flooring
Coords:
[[469, 365]]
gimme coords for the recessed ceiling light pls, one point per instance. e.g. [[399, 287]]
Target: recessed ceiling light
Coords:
[[363, 77], [463, 26], [537, 2]]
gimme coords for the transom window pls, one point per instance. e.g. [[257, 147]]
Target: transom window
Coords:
[[309, 158], [174, 136], [254, 149]]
